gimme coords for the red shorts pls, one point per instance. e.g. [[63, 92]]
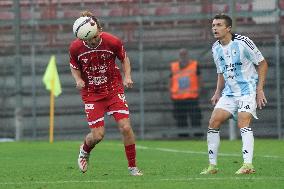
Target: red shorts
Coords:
[[115, 105]]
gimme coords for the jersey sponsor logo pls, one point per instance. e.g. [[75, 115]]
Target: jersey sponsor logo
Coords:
[[247, 107], [97, 80], [232, 67], [89, 106], [85, 60], [227, 54], [105, 56], [100, 69]]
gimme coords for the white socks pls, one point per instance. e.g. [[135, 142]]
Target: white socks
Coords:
[[248, 143], [213, 141]]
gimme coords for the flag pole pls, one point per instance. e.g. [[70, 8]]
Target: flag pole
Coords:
[[51, 116], [52, 83]]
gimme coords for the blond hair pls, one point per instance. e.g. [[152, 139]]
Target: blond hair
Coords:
[[87, 13]]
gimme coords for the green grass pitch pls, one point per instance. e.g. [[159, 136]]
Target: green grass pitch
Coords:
[[165, 164]]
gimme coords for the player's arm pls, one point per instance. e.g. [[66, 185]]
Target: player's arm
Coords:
[[220, 84], [126, 68], [75, 69], [80, 83], [220, 78], [262, 72], [262, 67], [219, 87], [125, 63]]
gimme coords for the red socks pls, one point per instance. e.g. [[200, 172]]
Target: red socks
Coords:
[[87, 148], [130, 152]]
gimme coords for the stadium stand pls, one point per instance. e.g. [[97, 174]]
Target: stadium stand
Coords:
[[166, 28], [6, 16], [163, 10]]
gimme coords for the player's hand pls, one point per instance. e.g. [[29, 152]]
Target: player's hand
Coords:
[[127, 82], [260, 99], [80, 84], [215, 98]]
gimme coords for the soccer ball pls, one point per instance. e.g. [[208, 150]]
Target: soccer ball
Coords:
[[85, 28]]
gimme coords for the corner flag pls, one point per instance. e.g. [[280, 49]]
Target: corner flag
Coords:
[[51, 78], [52, 83]]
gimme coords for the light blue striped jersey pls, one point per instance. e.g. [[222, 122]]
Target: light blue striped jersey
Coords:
[[236, 61]]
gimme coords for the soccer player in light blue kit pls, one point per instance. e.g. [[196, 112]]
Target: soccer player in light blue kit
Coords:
[[241, 70]]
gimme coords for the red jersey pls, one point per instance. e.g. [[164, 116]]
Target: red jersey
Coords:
[[97, 65]]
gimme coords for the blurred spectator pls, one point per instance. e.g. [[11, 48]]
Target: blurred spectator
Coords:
[[185, 89]]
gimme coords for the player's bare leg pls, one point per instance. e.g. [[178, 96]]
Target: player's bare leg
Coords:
[[94, 137], [129, 144]]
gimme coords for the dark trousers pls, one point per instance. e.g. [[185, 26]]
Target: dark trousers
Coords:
[[187, 108]]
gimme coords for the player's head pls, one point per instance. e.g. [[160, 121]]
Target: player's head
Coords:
[[95, 19], [221, 25], [87, 27]]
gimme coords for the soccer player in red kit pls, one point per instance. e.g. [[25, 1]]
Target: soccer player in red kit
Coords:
[[98, 78]]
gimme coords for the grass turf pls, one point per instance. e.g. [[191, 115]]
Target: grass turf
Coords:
[[165, 164]]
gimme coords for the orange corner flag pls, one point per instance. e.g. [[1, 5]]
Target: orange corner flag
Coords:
[[51, 78]]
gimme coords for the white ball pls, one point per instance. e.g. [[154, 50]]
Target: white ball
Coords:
[[85, 28]]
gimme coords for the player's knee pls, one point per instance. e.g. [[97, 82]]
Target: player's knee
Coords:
[[214, 123], [97, 137], [125, 129], [124, 125]]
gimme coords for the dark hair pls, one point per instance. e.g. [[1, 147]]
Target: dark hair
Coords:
[[228, 19], [90, 14]]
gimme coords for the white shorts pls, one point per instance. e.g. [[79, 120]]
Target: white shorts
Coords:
[[246, 103]]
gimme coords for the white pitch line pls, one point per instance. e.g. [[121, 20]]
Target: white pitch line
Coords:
[[194, 152], [143, 181], [200, 153], [54, 182], [223, 178]]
